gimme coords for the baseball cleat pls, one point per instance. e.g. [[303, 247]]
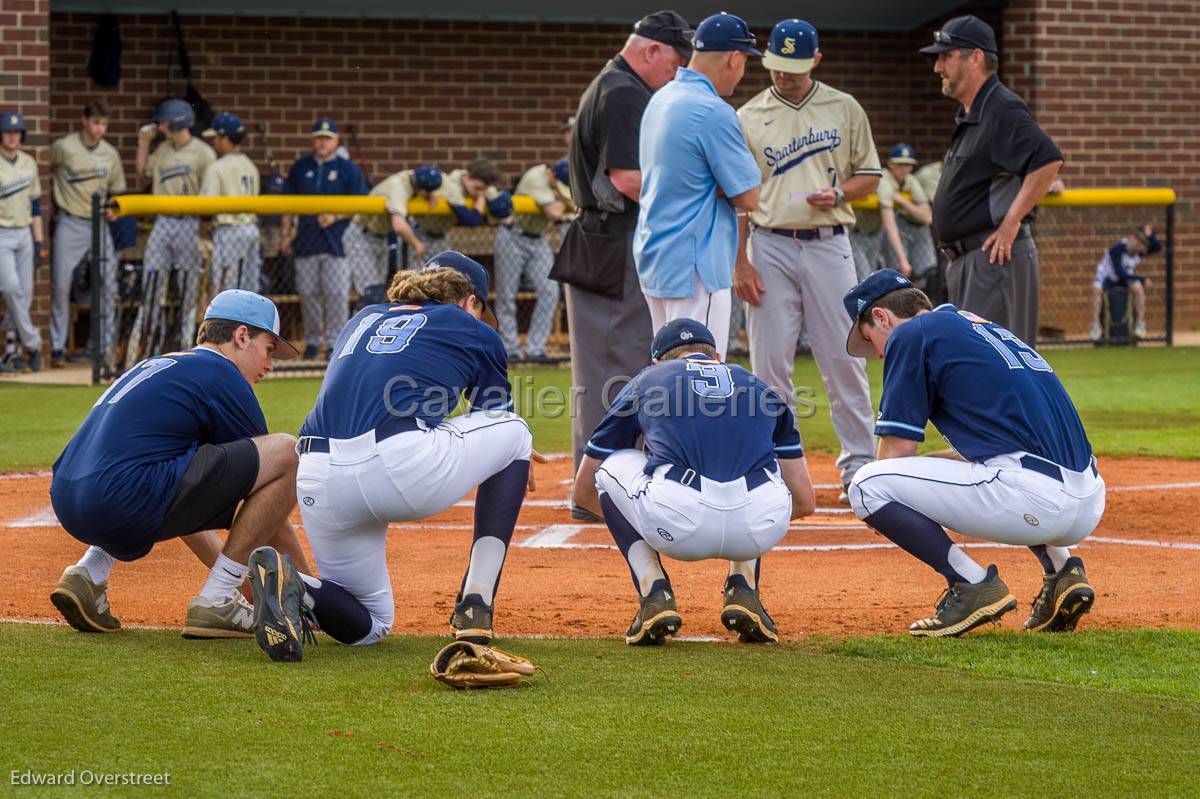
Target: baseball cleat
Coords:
[[964, 607], [745, 615], [657, 617], [82, 603], [1064, 598], [233, 618], [584, 515], [35, 361], [279, 625], [472, 620]]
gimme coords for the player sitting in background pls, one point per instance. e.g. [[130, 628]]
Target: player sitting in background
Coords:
[[722, 475], [1116, 269], [1021, 473], [378, 448], [170, 450]]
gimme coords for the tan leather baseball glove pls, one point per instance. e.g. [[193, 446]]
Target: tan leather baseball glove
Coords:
[[465, 665]]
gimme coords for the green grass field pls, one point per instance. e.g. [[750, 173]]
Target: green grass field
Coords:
[[1097, 713]]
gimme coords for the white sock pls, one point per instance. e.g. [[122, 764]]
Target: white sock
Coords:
[[224, 579], [971, 571], [1058, 556], [311, 582], [645, 564], [744, 568], [97, 563], [487, 558]]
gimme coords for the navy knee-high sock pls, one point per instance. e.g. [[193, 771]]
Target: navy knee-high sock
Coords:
[[340, 614], [625, 536], [497, 505], [924, 539]]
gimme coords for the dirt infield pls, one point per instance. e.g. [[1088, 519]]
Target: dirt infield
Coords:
[[830, 575]]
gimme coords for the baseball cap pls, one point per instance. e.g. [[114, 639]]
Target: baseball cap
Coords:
[[325, 126], [568, 123], [472, 270], [903, 154], [725, 32], [792, 47], [248, 308], [562, 171], [225, 124], [859, 299], [667, 27], [963, 33], [500, 206], [12, 120], [678, 332], [427, 177]]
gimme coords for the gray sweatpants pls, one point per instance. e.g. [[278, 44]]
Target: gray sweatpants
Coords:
[[323, 283], [517, 254], [72, 241], [16, 283], [236, 249], [1006, 295], [367, 256], [805, 282]]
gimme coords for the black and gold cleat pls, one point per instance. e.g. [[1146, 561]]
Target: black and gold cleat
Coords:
[[279, 624], [472, 620], [965, 606], [1064, 598], [656, 619], [745, 615]]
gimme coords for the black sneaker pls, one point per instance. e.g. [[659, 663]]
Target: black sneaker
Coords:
[[18, 364], [584, 515], [472, 620], [657, 617], [965, 606], [35, 361], [280, 626], [745, 615], [56, 359], [1064, 598]]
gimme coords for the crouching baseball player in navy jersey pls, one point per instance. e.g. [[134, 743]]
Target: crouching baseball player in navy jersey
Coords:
[[722, 476], [378, 448], [178, 447], [1021, 473]]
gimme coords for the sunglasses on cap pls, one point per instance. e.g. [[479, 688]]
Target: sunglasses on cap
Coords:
[[954, 40]]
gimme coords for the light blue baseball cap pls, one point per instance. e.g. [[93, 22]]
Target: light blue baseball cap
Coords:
[[248, 308]]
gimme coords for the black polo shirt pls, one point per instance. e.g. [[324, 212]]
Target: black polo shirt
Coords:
[[606, 137], [995, 146]]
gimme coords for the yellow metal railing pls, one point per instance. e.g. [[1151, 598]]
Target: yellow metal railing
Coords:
[[275, 204], [1074, 198]]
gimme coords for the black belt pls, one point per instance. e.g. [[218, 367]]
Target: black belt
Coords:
[[691, 478], [1043, 466], [957, 249], [392, 427], [522, 231], [806, 234]]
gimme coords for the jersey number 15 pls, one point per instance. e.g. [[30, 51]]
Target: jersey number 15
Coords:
[[1020, 349]]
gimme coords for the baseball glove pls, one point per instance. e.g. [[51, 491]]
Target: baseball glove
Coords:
[[465, 665]]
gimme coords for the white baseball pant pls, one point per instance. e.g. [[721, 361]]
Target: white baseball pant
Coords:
[[712, 309]]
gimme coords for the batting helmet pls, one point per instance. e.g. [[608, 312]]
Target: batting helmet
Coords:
[[500, 206], [562, 172], [427, 177], [177, 114], [13, 120]]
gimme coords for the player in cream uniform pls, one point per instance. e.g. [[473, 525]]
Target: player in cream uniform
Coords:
[[237, 251], [20, 210], [81, 164], [177, 168], [907, 243], [521, 248], [813, 144], [366, 238], [467, 191]]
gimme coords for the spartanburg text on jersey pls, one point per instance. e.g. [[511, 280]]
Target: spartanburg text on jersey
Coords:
[[985, 390], [715, 418], [408, 360], [121, 469]]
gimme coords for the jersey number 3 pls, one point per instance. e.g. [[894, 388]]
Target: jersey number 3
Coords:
[[709, 379], [391, 336], [1010, 354]]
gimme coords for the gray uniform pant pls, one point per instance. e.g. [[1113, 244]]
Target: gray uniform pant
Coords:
[[518, 254], [610, 343], [72, 241], [236, 258], [805, 282], [367, 255], [174, 244], [1006, 295], [435, 244], [16, 284], [323, 283], [865, 247]]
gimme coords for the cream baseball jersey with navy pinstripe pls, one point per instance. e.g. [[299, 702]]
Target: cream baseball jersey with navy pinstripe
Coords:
[[231, 175], [19, 187], [800, 147], [539, 183], [179, 172], [80, 170], [397, 190]]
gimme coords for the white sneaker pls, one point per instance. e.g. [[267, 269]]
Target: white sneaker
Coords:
[[1094, 331], [233, 618], [1139, 330]]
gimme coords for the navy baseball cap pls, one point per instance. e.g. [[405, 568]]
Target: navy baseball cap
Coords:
[[325, 126], [725, 32], [472, 270], [859, 299], [562, 171], [12, 120], [427, 177], [178, 114], [792, 47], [677, 333], [903, 154], [666, 27], [963, 33], [225, 124], [1149, 240], [248, 308], [500, 206]]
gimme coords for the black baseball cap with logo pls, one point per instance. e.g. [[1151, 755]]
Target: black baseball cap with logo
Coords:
[[667, 27], [963, 33]]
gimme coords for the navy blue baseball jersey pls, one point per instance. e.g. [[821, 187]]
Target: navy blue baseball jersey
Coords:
[[335, 176], [986, 391], [121, 469], [413, 360], [715, 418]]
